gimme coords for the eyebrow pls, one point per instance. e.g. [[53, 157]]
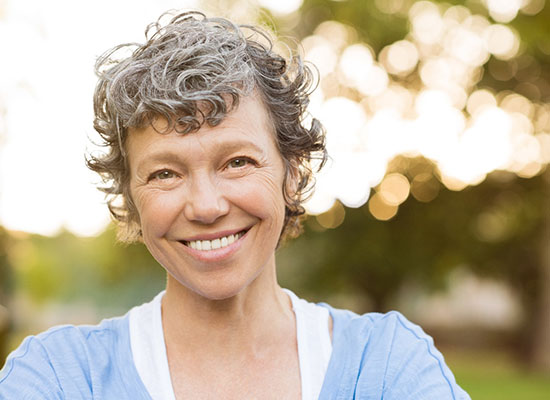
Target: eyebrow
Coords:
[[224, 148], [239, 144]]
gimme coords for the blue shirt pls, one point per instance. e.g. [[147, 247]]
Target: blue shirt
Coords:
[[374, 356]]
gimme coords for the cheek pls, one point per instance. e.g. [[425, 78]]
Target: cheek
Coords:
[[157, 211], [262, 198]]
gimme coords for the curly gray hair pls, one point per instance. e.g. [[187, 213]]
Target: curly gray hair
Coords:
[[192, 71]]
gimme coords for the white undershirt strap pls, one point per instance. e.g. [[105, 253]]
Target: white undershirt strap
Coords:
[[149, 349], [151, 361], [314, 344]]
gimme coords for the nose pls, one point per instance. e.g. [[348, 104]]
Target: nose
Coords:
[[206, 201]]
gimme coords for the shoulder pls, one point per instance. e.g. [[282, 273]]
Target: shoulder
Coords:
[[67, 359], [71, 337], [391, 329], [70, 342], [386, 355]]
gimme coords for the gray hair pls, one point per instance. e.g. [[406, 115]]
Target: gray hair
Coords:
[[190, 71]]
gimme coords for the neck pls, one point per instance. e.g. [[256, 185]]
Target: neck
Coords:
[[248, 319]]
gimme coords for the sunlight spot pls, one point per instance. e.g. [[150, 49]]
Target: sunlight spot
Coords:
[[338, 34], [479, 101], [399, 58], [527, 153], [394, 189], [501, 41], [427, 24], [517, 103], [321, 53], [544, 143], [332, 218], [466, 46], [532, 7], [530, 170], [342, 118], [424, 187], [395, 97], [281, 7], [350, 178], [456, 14], [322, 199], [359, 71], [503, 10], [453, 183], [391, 6], [381, 210]]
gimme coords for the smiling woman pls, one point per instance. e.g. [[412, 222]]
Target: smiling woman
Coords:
[[207, 164], [195, 192]]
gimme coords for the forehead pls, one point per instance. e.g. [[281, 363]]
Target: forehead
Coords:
[[249, 122]]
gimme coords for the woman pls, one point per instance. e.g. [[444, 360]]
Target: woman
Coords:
[[207, 163]]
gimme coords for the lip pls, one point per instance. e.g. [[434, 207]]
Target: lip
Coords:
[[217, 255]]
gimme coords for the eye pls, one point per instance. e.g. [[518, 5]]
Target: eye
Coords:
[[239, 162], [162, 175]]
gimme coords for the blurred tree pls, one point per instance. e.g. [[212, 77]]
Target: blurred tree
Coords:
[[494, 228], [498, 228], [67, 268]]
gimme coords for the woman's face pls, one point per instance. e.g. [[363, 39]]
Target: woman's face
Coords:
[[211, 202]]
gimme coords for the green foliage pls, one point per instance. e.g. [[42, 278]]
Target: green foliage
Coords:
[[495, 228], [65, 268], [425, 241], [373, 26]]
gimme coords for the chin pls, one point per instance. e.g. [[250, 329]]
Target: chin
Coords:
[[219, 292], [215, 289]]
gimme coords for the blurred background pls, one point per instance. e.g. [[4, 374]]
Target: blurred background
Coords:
[[436, 200]]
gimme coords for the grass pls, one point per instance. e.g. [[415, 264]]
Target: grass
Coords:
[[496, 376]]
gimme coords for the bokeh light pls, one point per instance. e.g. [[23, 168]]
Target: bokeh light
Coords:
[[424, 187], [418, 96], [501, 41], [332, 218], [466, 131], [479, 100], [394, 189], [380, 209], [503, 10], [281, 7], [400, 58], [532, 7]]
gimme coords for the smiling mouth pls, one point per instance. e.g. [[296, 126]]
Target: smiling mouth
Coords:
[[206, 245]]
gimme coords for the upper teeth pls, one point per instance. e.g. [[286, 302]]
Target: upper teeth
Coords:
[[213, 244]]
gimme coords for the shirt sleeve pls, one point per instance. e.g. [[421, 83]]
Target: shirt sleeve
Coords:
[[411, 366], [28, 374], [74, 363]]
